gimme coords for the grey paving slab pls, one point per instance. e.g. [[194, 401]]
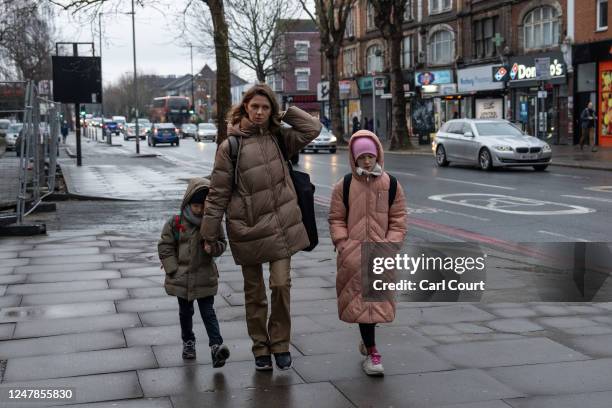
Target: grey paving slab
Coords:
[[52, 260], [594, 346], [98, 244], [27, 313], [237, 298], [514, 325], [437, 330], [581, 309], [470, 328], [455, 313], [133, 403], [128, 265], [515, 312], [397, 359], [7, 247], [320, 395], [75, 297], [587, 400], [148, 304], [121, 251], [329, 320], [6, 271], [79, 267], [76, 325], [57, 345], [482, 404], [6, 330], [557, 378], [37, 288], [72, 276], [6, 263], [180, 380], [8, 255], [147, 292], [137, 272], [468, 337], [425, 390], [46, 253], [88, 388], [3, 289], [169, 355], [80, 363], [565, 322], [506, 352], [130, 283], [10, 301], [588, 330], [12, 279]]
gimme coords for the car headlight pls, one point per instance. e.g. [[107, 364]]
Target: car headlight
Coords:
[[333, 139], [503, 148], [546, 148]]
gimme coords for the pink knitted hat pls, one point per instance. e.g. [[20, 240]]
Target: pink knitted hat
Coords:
[[364, 145]]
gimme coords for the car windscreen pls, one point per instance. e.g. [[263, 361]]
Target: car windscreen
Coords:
[[207, 126], [497, 129], [189, 127], [4, 125], [165, 126], [15, 128]]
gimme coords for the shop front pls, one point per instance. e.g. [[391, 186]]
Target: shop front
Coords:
[[439, 86], [349, 104], [593, 83], [539, 106], [479, 95], [375, 110]]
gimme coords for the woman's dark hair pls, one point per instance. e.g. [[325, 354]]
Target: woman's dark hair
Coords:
[[238, 111]]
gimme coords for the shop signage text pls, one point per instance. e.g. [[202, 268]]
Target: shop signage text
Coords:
[[476, 79], [524, 69], [433, 78]]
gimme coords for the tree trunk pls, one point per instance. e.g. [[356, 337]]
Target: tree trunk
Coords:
[[334, 94], [220, 38], [399, 127]]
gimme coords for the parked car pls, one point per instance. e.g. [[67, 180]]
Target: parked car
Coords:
[[489, 144], [163, 133], [12, 134], [189, 130], [325, 141], [110, 127], [129, 131], [206, 131]]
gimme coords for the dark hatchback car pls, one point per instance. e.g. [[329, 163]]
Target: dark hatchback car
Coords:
[[109, 127], [163, 133]]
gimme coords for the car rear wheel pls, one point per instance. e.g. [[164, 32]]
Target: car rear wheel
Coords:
[[540, 167], [332, 151], [441, 160], [484, 159]]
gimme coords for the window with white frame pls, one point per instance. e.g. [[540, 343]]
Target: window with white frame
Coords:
[[602, 14], [484, 33], [370, 23], [349, 61], [276, 82], [440, 6], [441, 47], [349, 29], [408, 10], [407, 56], [301, 50], [541, 28], [374, 59], [302, 76]]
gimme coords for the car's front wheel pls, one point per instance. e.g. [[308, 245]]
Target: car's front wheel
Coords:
[[484, 159], [540, 167], [441, 159]]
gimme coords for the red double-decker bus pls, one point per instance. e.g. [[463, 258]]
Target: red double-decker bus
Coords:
[[171, 109]]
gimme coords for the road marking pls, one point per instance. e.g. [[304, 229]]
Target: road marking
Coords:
[[603, 200], [475, 184], [563, 236], [503, 203], [322, 186], [603, 189]]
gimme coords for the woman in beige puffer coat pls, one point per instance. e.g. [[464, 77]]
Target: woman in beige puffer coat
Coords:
[[370, 219]]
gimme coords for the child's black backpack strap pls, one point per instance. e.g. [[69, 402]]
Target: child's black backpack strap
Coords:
[[346, 186]]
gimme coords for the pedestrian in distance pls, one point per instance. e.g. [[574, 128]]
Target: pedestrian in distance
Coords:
[[587, 124], [64, 131], [356, 125], [367, 205], [191, 272], [252, 188]]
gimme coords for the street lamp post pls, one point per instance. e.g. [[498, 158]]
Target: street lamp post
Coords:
[[108, 139], [135, 81], [192, 89]]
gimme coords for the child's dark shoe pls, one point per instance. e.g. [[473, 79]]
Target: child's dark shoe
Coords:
[[219, 353], [189, 350]]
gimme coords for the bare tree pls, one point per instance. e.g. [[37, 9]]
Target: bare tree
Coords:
[[389, 17], [254, 31], [119, 100], [330, 17]]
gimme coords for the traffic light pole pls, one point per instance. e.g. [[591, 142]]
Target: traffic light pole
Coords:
[[135, 80], [77, 114]]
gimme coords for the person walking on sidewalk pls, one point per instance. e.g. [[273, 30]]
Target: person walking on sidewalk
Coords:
[[251, 186], [587, 124], [64, 131], [374, 210], [191, 273]]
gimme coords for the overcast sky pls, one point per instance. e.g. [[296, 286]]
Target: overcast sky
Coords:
[[158, 48]]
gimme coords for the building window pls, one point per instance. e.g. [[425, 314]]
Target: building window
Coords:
[[440, 6], [441, 47], [370, 24], [484, 33], [407, 52], [349, 60], [349, 29], [276, 82], [302, 76], [374, 57], [408, 10], [301, 50], [602, 14], [541, 28]]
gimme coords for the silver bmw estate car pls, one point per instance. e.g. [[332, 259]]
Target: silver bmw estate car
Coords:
[[488, 144]]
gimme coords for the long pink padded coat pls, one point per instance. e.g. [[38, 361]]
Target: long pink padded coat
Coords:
[[370, 219]]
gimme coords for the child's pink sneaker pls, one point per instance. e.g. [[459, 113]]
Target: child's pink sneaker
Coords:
[[372, 364]]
